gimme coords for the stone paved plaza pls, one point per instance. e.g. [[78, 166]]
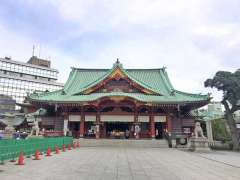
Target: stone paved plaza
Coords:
[[127, 163]]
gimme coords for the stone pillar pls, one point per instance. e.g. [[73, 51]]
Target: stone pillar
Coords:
[[209, 130], [82, 123], [98, 121]]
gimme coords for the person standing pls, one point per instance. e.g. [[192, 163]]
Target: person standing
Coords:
[[127, 134], [156, 134]]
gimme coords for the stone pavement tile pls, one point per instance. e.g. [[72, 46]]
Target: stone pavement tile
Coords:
[[79, 176], [109, 176], [138, 172], [92, 177], [125, 177], [158, 174], [167, 178], [140, 177], [110, 170], [231, 158], [124, 173]]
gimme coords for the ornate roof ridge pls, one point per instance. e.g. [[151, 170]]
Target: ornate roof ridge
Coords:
[[117, 64], [106, 69]]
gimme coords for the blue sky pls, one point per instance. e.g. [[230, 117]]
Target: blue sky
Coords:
[[193, 39]]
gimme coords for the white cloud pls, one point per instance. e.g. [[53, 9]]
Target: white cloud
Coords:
[[217, 31], [20, 49], [116, 15]]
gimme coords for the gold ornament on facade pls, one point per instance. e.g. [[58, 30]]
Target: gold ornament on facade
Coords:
[[117, 98]]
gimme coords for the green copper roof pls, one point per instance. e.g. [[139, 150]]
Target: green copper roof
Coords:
[[152, 79], [57, 96], [155, 80]]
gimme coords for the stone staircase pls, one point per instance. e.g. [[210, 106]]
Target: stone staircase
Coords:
[[125, 143]]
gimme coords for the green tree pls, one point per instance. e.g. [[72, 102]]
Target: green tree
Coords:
[[220, 132], [229, 84]]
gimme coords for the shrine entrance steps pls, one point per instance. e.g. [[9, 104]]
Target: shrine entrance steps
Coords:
[[128, 143]]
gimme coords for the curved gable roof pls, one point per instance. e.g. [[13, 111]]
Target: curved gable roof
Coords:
[[152, 79], [156, 80]]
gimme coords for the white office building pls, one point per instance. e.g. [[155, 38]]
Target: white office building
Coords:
[[18, 78]]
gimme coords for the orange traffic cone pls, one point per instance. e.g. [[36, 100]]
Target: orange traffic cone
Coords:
[[63, 148], [20, 159], [78, 144], [74, 145], [37, 157], [56, 150], [48, 152], [69, 147]]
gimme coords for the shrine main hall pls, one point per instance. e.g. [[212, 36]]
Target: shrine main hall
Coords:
[[118, 103]]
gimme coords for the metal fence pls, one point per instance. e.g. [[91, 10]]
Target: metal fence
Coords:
[[10, 148]]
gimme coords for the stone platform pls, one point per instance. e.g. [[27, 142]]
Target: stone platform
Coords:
[[143, 143], [199, 144]]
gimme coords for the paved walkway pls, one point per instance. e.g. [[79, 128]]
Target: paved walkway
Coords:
[[227, 157], [121, 163]]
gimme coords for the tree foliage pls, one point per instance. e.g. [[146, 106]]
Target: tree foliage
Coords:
[[229, 84], [220, 132]]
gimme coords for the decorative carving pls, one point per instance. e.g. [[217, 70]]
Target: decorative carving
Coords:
[[117, 74], [117, 98]]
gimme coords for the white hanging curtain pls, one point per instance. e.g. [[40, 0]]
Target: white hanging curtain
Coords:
[[90, 118], [143, 118], [74, 118], [159, 118]]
